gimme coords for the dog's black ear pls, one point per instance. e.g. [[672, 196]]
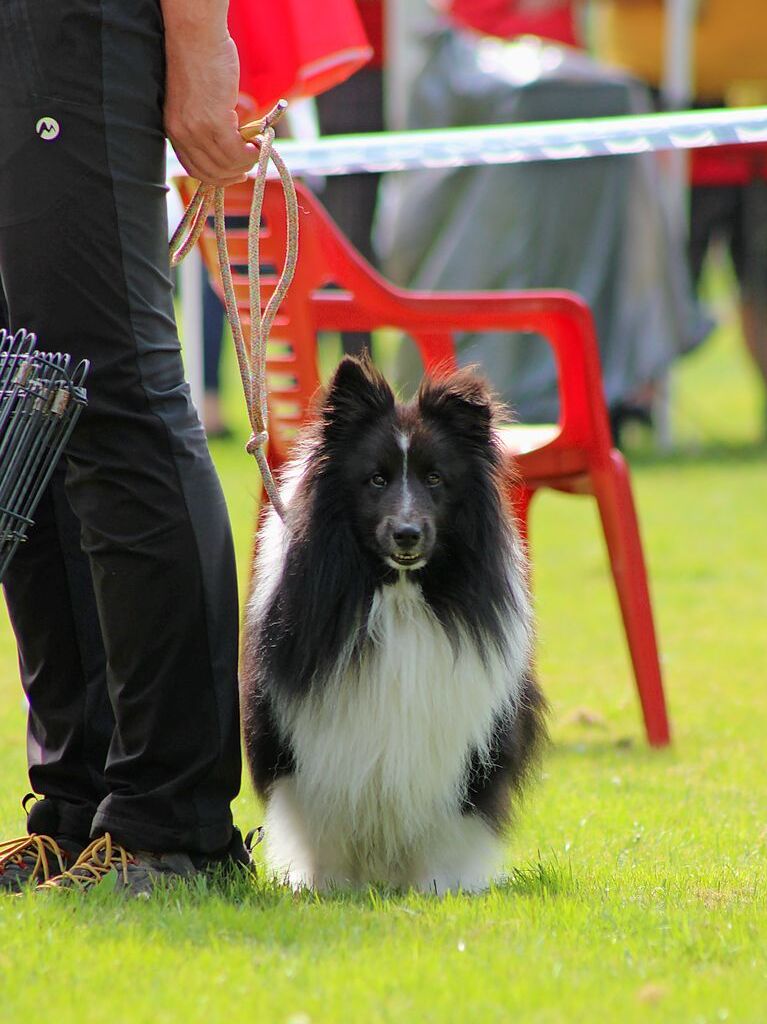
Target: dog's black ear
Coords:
[[462, 399], [356, 392]]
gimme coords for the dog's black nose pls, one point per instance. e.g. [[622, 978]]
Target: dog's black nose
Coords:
[[406, 536]]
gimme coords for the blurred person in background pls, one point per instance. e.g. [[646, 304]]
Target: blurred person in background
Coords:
[[213, 317], [598, 227], [728, 201]]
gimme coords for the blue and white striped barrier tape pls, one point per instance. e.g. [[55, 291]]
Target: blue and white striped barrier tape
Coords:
[[519, 143]]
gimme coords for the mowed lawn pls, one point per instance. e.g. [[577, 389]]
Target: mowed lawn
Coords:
[[637, 886]]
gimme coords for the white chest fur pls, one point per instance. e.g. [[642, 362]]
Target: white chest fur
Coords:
[[381, 751]]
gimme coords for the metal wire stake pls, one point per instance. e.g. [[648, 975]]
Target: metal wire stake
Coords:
[[41, 399]]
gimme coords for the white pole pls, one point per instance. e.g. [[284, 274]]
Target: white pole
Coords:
[[190, 273], [679, 67], [190, 279], [678, 72], [677, 90]]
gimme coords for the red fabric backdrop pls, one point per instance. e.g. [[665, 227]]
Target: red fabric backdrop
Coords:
[[292, 48], [729, 165], [509, 18]]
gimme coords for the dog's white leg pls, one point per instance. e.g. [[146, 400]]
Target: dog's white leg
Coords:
[[295, 854], [464, 854], [289, 853], [328, 877]]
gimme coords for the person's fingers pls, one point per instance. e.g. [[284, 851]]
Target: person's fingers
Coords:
[[209, 177], [231, 149], [209, 161], [205, 162], [223, 152]]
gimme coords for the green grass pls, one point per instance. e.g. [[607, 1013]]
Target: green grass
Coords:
[[637, 886]]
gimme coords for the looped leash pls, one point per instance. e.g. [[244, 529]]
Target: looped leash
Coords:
[[251, 358]]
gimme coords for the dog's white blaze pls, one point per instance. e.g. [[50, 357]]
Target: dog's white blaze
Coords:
[[407, 499], [382, 750]]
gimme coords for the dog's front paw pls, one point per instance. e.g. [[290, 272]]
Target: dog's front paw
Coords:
[[440, 884]]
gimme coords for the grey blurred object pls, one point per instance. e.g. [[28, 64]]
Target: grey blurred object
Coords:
[[601, 227], [41, 398]]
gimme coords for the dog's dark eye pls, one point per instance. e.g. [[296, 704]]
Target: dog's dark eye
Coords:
[[433, 479], [378, 480]]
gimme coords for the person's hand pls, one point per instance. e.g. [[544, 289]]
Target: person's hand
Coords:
[[202, 78]]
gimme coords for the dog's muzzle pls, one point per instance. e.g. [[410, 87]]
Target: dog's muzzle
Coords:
[[407, 549]]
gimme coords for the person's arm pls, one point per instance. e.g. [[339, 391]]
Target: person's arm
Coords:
[[202, 77]]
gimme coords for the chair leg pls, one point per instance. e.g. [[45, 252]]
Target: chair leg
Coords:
[[612, 489]]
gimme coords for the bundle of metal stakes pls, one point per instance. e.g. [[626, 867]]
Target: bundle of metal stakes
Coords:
[[41, 399]]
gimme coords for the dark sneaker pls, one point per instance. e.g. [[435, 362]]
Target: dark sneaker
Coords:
[[147, 869], [135, 873], [232, 858], [32, 860]]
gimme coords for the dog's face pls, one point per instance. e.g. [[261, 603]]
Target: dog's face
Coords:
[[406, 468], [403, 481]]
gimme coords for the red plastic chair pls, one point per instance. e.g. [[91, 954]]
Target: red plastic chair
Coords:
[[575, 455]]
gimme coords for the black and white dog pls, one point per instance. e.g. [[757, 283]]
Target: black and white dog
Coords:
[[390, 714]]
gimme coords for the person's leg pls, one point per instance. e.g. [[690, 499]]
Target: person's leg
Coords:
[[212, 334], [213, 326], [749, 253], [61, 660], [753, 315], [738, 215], [84, 264], [712, 210]]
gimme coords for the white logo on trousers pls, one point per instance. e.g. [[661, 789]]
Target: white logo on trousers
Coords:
[[48, 128]]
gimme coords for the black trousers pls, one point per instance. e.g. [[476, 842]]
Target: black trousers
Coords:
[[123, 599]]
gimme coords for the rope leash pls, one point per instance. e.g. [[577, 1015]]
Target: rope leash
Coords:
[[251, 356]]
